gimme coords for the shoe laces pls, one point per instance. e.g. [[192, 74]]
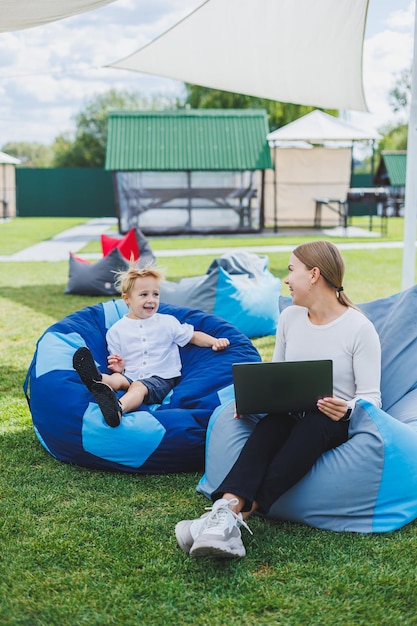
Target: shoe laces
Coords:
[[221, 516]]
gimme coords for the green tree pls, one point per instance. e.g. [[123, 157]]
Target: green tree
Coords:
[[400, 94], [394, 135], [87, 148], [30, 154], [279, 113], [394, 138]]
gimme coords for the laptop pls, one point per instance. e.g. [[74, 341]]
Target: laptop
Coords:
[[281, 387]]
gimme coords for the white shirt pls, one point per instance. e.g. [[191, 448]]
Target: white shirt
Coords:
[[350, 341], [149, 346]]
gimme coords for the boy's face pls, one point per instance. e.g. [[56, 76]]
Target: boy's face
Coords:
[[143, 299]]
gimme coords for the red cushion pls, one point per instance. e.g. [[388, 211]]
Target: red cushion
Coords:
[[79, 259], [128, 246], [108, 244]]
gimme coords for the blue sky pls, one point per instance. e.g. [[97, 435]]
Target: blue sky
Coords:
[[48, 73]]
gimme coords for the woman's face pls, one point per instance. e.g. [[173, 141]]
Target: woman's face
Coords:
[[298, 280]]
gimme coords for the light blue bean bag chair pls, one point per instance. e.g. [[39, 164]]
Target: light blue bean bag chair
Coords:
[[155, 439], [237, 287], [368, 484]]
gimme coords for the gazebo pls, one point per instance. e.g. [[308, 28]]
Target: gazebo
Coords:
[[189, 170], [391, 174], [313, 161]]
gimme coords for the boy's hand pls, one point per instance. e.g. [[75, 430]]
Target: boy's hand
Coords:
[[116, 363], [220, 344]]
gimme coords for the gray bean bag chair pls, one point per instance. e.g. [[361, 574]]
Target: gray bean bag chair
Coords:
[[97, 278], [237, 287], [368, 484]]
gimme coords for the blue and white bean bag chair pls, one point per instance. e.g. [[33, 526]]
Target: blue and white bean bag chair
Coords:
[[237, 287], [156, 439], [368, 484]]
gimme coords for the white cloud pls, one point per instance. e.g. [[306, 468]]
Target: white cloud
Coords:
[[386, 55], [49, 72], [402, 18], [387, 52]]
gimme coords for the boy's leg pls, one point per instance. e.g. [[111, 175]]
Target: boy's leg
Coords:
[[108, 402], [85, 366], [134, 396], [116, 381], [113, 408]]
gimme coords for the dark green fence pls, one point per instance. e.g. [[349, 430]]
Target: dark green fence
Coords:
[[362, 180], [64, 192]]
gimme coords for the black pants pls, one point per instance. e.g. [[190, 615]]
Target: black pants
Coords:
[[278, 453]]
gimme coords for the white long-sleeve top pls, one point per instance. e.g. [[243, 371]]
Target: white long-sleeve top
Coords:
[[149, 346], [350, 341]]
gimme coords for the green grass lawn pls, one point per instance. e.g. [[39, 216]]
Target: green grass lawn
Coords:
[[95, 548]]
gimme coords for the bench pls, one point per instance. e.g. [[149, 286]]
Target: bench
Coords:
[[238, 200]]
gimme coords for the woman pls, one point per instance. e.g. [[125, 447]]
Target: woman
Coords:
[[322, 324]]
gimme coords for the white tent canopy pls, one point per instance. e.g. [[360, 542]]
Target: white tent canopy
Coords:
[[319, 127], [288, 50], [301, 176], [21, 14]]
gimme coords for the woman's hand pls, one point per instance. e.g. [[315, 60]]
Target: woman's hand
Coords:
[[334, 408], [116, 363]]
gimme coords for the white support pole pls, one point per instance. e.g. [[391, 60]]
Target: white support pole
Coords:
[[410, 210]]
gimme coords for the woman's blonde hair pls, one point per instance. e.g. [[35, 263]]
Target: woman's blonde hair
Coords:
[[327, 258], [125, 280]]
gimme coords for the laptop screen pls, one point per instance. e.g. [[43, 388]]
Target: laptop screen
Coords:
[[288, 386]]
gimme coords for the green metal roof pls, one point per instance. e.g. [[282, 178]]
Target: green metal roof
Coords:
[[395, 168], [188, 139]]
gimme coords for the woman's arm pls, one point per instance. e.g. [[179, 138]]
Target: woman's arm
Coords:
[[366, 362], [367, 366]]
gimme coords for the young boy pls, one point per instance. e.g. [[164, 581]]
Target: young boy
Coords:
[[143, 345]]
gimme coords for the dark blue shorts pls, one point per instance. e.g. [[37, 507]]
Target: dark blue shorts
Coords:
[[157, 388]]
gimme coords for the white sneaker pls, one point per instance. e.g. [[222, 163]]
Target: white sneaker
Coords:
[[219, 534], [187, 530]]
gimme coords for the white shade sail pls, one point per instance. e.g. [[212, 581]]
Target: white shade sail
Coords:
[[318, 127], [285, 50], [21, 14]]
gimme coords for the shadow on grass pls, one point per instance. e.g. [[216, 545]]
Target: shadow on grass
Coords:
[[48, 300], [22, 448], [11, 382]]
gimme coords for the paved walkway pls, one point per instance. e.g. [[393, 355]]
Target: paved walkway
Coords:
[[59, 247], [74, 239]]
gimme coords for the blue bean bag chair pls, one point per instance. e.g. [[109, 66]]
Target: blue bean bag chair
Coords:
[[157, 439], [238, 287], [368, 484]]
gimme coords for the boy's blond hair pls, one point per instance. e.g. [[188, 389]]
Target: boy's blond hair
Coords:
[[126, 279]]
